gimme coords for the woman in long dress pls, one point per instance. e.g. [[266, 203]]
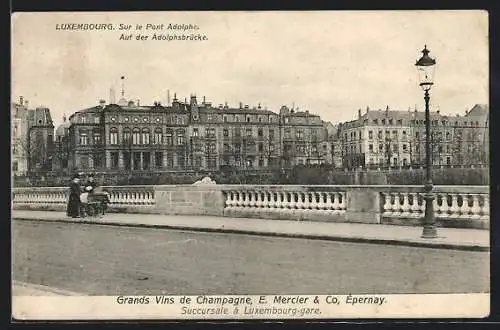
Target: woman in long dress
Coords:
[[73, 209]]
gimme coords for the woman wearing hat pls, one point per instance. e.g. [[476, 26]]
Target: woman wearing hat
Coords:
[[73, 209]]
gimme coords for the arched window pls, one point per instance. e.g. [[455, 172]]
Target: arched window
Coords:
[[136, 136], [113, 135], [127, 136], [158, 136], [145, 136]]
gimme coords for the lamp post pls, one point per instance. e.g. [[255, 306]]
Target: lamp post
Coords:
[[425, 67]]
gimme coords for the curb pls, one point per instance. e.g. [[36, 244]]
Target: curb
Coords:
[[369, 240]]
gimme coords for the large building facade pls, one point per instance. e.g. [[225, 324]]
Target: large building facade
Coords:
[[190, 135], [388, 138], [32, 134]]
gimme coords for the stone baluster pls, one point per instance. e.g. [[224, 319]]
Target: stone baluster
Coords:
[[342, 201], [396, 207], [464, 208], [485, 209], [307, 200], [299, 202], [314, 201], [246, 198], [228, 202], [335, 202], [444, 208], [388, 205], [454, 208], [475, 208], [241, 201], [286, 200], [405, 207], [414, 208], [279, 202], [321, 203], [258, 199]]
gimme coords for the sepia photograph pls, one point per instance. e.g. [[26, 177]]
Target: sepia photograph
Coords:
[[250, 165]]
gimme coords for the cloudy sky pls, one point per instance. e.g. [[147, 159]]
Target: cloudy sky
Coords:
[[331, 63]]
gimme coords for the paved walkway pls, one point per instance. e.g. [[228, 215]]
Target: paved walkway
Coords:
[[449, 238]]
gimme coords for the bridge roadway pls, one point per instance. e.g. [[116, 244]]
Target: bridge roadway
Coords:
[[111, 260]]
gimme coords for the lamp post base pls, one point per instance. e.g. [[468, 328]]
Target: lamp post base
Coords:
[[429, 232]]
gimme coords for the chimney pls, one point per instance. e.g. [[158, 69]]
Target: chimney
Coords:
[[193, 100], [241, 105], [226, 106], [102, 103], [387, 109], [367, 109], [21, 100], [168, 96], [203, 100], [359, 113], [138, 102], [26, 103], [258, 106]]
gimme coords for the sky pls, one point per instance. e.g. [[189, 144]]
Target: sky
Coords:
[[331, 63]]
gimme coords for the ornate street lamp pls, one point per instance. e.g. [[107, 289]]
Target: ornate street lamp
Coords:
[[425, 67]]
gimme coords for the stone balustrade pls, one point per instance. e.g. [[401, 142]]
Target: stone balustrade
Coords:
[[129, 199], [285, 202], [454, 206]]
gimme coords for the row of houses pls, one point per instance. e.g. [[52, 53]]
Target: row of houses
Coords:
[[193, 135]]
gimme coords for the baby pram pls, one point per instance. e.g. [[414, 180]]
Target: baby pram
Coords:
[[94, 202]]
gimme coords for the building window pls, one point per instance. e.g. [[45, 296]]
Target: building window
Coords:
[[169, 138], [158, 159], [448, 160], [113, 135], [271, 134], [300, 135], [127, 136], [383, 121], [370, 135], [390, 121], [248, 119], [225, 119], [145, 136], [260, 132], [380, 147], [249, 132], [136, 136], [417, 135], [271, 148], [96, 120], [209, 117], [370, 147], [83, 119], [195, 131], [114, 159], [15, 166], [97, 138], [158, 136], [237, 132], [405, 148], [380, 134], [261, 147], [83, 139], [287, 133], [180, 137], [210, 132], [225, 132]]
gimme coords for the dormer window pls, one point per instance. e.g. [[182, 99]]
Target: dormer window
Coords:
[[390, 121]]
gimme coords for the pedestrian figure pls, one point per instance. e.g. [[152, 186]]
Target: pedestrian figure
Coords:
[[73, 209]]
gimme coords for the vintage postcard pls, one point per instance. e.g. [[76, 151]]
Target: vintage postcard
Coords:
[[250, 165]]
